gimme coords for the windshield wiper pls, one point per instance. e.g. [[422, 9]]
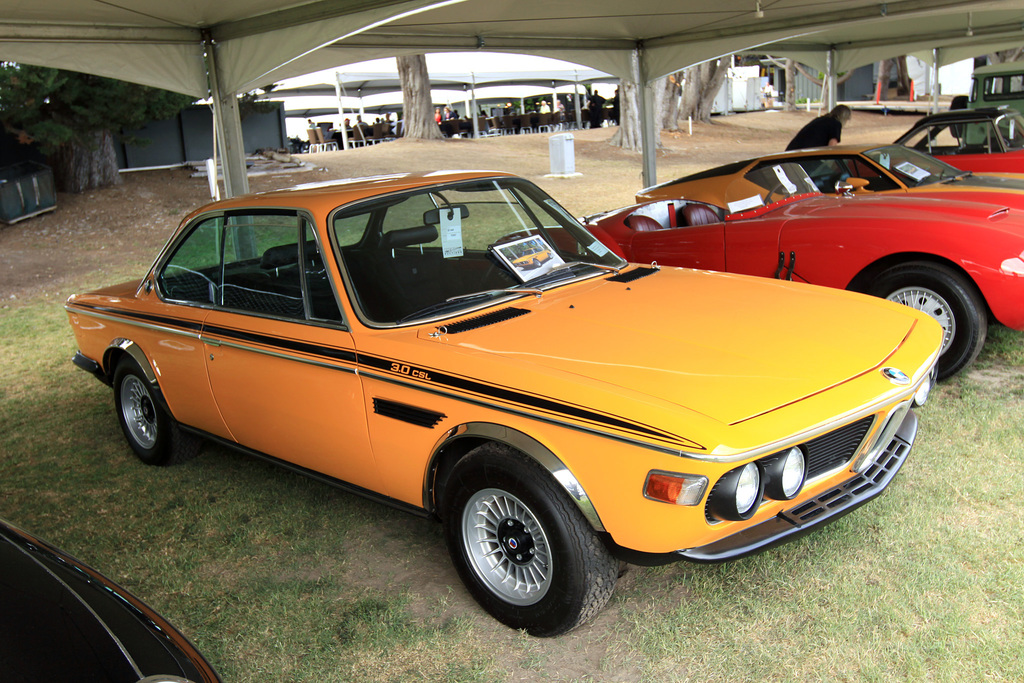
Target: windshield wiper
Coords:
[[567, 270], [957, 176], [456, 301]]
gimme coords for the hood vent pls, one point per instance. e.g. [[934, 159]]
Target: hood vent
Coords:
[[631, 275], [485, 320]]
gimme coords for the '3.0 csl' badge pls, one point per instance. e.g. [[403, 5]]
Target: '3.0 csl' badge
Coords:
[[895, 376]]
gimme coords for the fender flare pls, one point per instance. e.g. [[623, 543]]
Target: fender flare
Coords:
[[487, 431], [121, 346]]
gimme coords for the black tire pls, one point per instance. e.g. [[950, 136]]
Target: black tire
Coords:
[[521, 546], [947, 296], [154, 436]]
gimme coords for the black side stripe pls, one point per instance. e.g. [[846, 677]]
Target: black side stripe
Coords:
[[436, 378], [326, 352], [532, 401]]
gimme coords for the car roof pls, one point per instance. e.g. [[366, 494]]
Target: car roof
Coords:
[[333, 193], [963, 115], [1005, 67]]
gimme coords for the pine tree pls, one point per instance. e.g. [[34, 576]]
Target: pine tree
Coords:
[[75, 118]]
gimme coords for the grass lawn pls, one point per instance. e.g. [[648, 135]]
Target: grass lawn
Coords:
[[279, 578]]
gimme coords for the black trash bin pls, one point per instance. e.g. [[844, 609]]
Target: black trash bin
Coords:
[[26, 190]]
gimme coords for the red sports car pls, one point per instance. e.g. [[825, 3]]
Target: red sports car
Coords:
[[961, 261], [987, 140]]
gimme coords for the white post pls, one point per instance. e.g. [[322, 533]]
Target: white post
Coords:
[[339, 88], [648, 134], [576, 100], [830, 76], [472, 113]]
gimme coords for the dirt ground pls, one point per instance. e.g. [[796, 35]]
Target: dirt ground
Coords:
[[105, 231]]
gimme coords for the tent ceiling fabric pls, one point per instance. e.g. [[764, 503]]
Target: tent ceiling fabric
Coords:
[[364, 84], [161, 43], [857, 44]]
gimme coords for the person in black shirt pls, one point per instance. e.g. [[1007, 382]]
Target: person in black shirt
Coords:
[[823, 131]]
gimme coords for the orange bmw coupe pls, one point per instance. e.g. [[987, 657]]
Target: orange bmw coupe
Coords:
[[375, 334]]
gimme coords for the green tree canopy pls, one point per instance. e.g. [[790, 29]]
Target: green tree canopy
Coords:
[[73, 118], [55, 107]]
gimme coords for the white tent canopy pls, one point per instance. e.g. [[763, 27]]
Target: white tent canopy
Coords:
[[223, 47]]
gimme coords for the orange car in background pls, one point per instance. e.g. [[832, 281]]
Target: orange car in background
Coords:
[[374, 334], [944, 241]]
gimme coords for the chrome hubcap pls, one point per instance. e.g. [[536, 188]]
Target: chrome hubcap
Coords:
[[138, 411], [931, 303], [506, 546]]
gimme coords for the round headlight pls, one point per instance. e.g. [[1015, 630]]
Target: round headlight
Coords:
[[736, 495], [784, 474], [748, 489], [925, 390]]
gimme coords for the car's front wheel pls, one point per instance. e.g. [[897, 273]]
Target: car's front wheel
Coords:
[[523, 549], [153, 435], [947, 296]]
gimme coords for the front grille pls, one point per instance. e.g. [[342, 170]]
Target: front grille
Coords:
[[878, 474], [832, 450], [822, 454]]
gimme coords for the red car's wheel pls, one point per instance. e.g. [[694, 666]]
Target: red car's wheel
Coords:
[[947, 296]]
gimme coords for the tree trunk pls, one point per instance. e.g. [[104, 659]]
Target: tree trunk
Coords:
[[418, 117], [666, 101], [628, 134], [790, 85], [1005, 56], [882, 80], [701, 84], [77, 167]]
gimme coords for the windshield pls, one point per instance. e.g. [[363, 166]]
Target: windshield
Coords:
[[437, 251], [766, 183], [1011, 127], [912, 168]]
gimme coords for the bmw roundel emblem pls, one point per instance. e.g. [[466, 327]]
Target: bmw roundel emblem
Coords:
[[513, 543], [895, 376]]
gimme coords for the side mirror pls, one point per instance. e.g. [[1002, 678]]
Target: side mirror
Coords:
[[848, 187]]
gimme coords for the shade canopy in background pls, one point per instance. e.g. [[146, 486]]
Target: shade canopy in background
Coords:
[[218, 48]]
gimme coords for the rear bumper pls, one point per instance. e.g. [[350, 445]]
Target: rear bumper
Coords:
[[813, 514], [90, 366]]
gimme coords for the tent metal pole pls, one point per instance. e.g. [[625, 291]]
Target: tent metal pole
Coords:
[[472, 113], [576, 100], [339, 89], [229, 128], [648, 135], [830, 77], [935, 80]]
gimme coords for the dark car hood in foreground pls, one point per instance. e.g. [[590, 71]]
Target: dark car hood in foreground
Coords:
[[62, 621]]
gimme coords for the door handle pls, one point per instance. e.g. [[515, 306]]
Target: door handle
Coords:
[[784, 271]]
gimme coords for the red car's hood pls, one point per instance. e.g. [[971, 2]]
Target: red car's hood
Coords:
[[729, 347], [973, 208]]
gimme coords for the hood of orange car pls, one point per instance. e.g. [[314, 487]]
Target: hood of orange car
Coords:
[[729, 347]]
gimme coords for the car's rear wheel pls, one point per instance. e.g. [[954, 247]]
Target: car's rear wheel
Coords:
[[523, 549], [153, 435], [947, 296]]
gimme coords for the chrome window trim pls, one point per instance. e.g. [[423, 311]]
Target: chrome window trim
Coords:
[[180, 233]]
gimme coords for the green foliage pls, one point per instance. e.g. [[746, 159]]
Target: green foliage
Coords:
[[55, 107]]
